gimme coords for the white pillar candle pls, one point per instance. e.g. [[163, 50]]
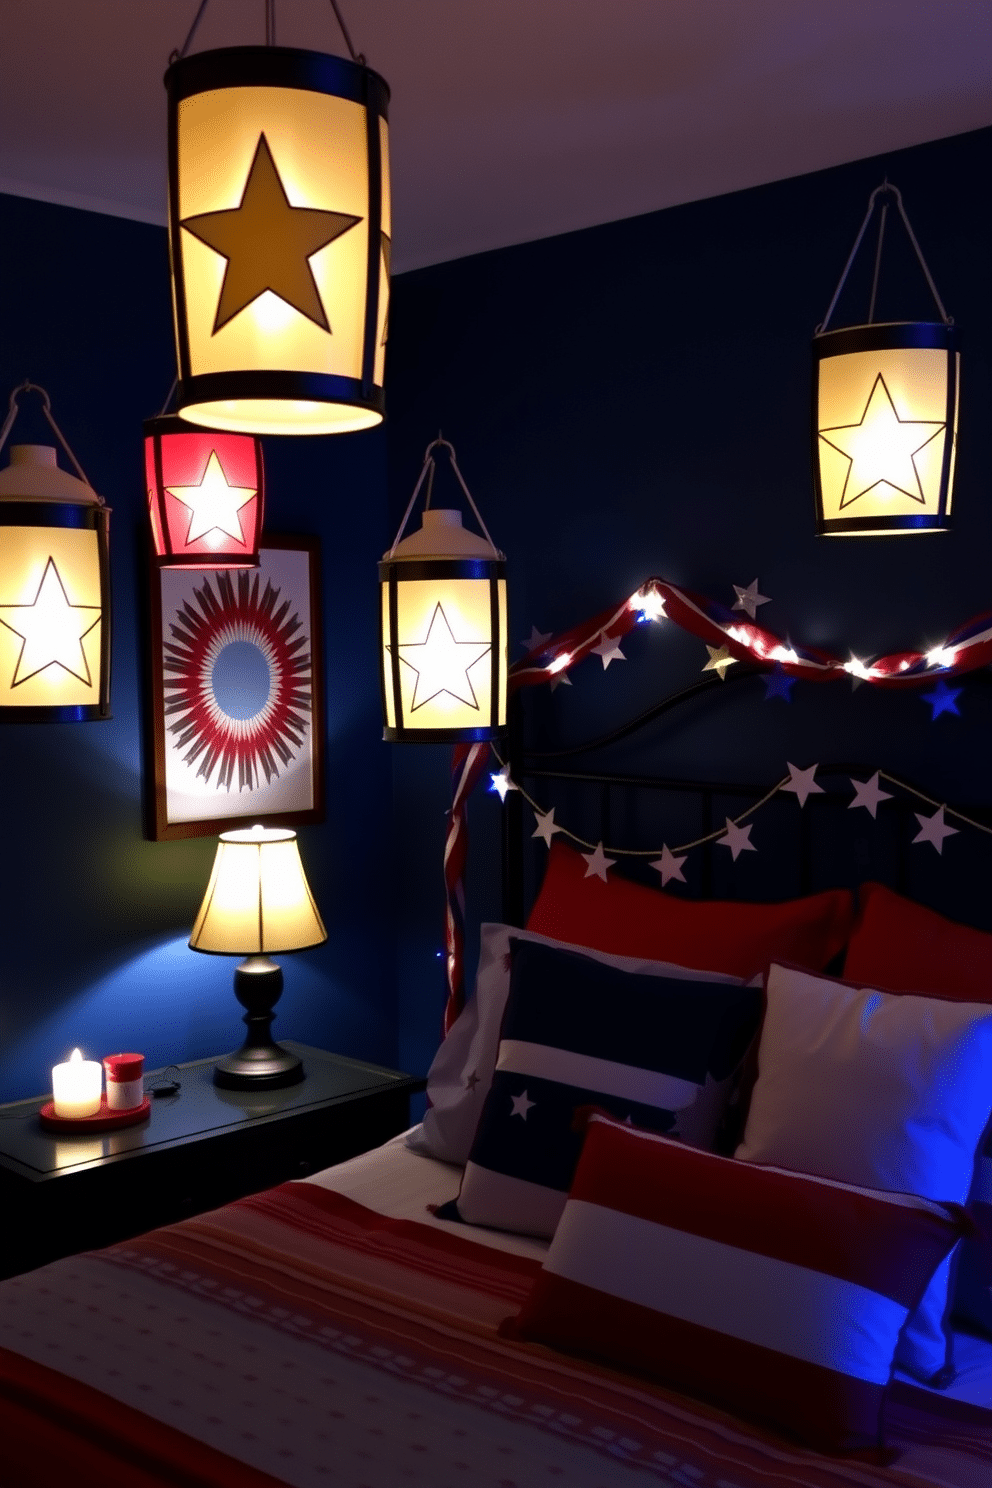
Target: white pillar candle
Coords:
[[77, 1086]]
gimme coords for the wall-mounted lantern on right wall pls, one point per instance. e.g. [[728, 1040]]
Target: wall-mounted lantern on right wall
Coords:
[[885, 408]]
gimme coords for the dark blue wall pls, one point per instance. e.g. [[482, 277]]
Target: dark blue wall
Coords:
[[628, 400], [633, 400], [94, 917]]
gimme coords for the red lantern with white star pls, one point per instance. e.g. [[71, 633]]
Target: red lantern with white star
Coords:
[[54, 587], [206, 494], [885, 404], [443, 627]]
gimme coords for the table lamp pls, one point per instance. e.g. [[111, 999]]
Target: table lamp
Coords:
[[257, 901]]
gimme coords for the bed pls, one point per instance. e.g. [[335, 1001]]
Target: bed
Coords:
[[668, 1281]]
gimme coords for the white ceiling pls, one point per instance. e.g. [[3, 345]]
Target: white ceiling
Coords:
[[513, 119]]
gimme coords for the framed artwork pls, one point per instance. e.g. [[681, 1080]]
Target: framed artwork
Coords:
[[237, 709]]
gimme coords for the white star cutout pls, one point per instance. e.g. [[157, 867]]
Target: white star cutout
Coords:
[[868, 793], [608, 647], [502, 783], [546, 825], [749, 599], [521, 1105], [934, 829], [598, 863], [720, 660], [802, 782], [738, 839], [213, 504], [669, 866], [536, 640], [881, 448], [442, 663], [52, 630], [561, 680]]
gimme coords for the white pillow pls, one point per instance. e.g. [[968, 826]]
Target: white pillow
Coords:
[[462, 1071], [880, 1090]]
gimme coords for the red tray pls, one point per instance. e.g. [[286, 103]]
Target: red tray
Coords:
[[103, 1120]]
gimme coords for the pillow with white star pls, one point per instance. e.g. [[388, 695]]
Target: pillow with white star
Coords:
[[657, 1051], [462, 1070], [885, 1090]]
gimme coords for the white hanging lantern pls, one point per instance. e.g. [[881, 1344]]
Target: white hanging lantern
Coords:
[[885, 404], [443, 627], [54, 586]]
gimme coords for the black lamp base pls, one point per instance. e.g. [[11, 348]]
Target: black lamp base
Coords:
[[260, 1063]]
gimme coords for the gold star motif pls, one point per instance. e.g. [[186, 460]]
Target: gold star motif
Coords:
[[881, 447], [720, 660], [213, 504], [268, 243], [442, 663], [51, 629]]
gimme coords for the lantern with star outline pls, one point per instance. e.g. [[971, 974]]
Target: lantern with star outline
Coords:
[[443, 629], [885, 405], [206, 493], [54, 587], [279, 235]]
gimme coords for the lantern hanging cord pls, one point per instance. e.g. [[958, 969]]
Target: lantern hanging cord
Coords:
[[886, 189], [46, 407], [355, 56], [175, 56], [428, 468], [168, 396]]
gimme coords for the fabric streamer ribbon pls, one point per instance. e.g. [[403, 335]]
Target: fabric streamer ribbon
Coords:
[[966, 649]]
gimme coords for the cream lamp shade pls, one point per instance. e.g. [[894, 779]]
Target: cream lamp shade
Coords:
[[54, 591], [258, 901], [885, 408], [443, 630], [279, 233], [206, 494]]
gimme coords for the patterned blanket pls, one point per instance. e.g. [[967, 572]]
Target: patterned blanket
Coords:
[[299, 1338]]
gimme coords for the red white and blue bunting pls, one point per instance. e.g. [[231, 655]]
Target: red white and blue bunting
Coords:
[[730, 634]]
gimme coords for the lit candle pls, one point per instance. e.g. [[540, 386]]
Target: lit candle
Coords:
[[77, 1086]]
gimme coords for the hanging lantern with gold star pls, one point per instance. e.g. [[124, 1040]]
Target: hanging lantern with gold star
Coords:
[[206, 491], [54, 585], [443, 625], [885, 404], [279, 234]]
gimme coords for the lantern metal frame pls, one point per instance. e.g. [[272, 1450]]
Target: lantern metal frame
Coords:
[[271, 66], [90, 516], [393, 571], [875, 335], [172, 423]]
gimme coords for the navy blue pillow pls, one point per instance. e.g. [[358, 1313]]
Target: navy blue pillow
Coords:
[[654, 1050]]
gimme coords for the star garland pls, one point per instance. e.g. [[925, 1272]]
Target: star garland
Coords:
[[729, 638]]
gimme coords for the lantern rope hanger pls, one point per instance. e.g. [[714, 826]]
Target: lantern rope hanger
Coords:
[[280, 235], [14, 409], [885, 398]]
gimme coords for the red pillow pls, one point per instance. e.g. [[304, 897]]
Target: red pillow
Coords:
[[776, 1295], [741, 939], [899, 946]]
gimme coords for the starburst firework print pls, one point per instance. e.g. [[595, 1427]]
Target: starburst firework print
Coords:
[[237, 701], [226, 609]]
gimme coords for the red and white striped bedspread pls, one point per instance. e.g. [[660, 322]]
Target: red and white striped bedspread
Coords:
[[298, 1337]]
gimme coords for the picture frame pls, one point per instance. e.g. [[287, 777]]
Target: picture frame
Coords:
[[236, 713]]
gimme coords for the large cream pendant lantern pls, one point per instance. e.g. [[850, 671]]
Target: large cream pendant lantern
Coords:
[[885, 405], [54, 586], [443, 627], [279, 236]]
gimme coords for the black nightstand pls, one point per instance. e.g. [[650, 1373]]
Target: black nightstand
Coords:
[[198, 1149]]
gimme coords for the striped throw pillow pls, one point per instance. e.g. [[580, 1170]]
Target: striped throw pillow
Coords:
[[656, 1051], [772, 1294]]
